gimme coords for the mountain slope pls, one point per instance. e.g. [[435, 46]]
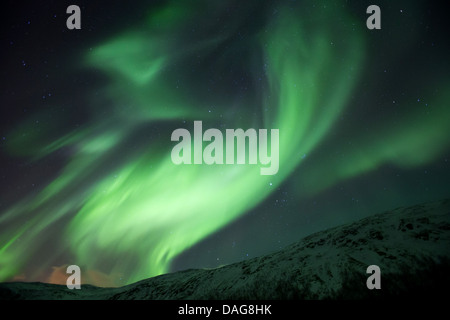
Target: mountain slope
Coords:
[[410, 245]]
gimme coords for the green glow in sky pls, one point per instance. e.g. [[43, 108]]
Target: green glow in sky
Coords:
[[157, 210], [137, 212]]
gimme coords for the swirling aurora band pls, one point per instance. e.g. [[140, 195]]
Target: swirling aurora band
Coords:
[[139, 211]]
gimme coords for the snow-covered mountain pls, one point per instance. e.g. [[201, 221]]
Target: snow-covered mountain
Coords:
[[410, 245]]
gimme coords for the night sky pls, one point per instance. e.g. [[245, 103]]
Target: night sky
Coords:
[[87, 115]]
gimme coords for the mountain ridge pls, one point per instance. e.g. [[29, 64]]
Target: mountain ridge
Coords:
[[409, 244]]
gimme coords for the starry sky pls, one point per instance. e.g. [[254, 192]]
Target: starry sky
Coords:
[[87, 115]]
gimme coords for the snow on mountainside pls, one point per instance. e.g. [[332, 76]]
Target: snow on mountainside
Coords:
[[410, 245]]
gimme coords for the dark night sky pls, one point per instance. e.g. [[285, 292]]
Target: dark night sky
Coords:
[[86, 118]]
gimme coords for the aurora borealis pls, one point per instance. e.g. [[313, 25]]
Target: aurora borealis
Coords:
[[87, 174]]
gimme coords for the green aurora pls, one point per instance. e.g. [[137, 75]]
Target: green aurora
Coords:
[[134, 208]]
